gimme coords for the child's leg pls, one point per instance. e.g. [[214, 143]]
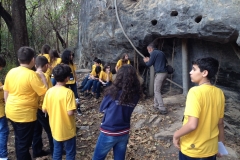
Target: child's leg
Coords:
[[23, 139], [70, 146], [99, 84], [119, 150], [74, 89], [58, 149], [53, 81], [4, 131], [44, 121], [104, 145], [37, 144], [84, 82]]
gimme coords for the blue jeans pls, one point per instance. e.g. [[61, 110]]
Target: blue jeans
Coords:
[[105, 143], [88, 85], [70, 147], [97, 87], [184, 157], [73, 88], [4, 131], [84, 82], [54, 82]]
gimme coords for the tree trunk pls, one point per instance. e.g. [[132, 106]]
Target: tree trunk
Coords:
[[16, 23], [19, 28]]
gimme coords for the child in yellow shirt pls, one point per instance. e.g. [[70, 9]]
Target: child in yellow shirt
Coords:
[[59, 103], [122, 61], [4, 131], [41, 64], [22, 89], [105, 79]]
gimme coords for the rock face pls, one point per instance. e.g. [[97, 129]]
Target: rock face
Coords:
[[216, 21]]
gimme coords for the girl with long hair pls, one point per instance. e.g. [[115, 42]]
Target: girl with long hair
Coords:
[[54, 61], [67, 58], [122, 61], [118, 104], [45, 52]]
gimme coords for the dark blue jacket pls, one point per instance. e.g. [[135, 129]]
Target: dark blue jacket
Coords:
[[116, 117], [158, 60]]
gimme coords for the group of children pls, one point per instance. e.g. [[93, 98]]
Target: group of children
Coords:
[[100, 76], [32, 101]]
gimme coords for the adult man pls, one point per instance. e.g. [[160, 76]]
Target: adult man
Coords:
[[158, 60]]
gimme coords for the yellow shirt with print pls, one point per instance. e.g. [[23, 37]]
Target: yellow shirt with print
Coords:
[[205, 102], [24, 87], [103, 76], [119, 63], [49, 83], [57, 102], [72, 78], [49, 70], [2, 110]]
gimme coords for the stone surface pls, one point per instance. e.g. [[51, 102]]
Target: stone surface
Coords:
[[205, 23]]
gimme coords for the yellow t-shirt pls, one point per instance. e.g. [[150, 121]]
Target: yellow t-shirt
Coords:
[[56, 62], [205, 102], [24, 87], [103, 76], [94, 66], [72, 78], [49, 71], [49, 82], [119, 63], [2, 110], [57, 102]]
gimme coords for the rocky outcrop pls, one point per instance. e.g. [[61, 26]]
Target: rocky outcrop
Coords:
[[216, 21], [100, 34]]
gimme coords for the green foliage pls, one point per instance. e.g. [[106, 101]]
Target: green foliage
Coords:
[[9, 65]]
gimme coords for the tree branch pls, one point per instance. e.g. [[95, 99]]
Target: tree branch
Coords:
[[6, 17]]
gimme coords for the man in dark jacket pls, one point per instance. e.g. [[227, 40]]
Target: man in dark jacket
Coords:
[[158, 60]]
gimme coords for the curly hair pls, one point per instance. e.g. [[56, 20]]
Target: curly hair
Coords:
[[126, 85]]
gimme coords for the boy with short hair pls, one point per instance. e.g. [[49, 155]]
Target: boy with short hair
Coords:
[[41, 64], [59, 103], [4, 131], [203, 117], [22, 89]]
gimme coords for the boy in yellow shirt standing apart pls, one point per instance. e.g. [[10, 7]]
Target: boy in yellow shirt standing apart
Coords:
[[59, 103], [203, 117], [4, 131], [22, 89]]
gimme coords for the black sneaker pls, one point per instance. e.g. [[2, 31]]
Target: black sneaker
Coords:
[[42, 154], [81, 87], [86, 94], [163, 112], [79, 112]]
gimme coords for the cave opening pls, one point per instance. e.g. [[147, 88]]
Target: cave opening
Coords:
[[198, 19], [154, 22], [174, 13]]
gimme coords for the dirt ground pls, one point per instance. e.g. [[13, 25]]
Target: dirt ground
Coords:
[[143, 143]]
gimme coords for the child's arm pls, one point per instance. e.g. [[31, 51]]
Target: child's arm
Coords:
[[43, 78], [190, 126], [70, 113], [221, 130], [5, 96]]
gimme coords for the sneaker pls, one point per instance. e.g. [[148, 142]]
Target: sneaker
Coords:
[[163, 112], [86, 94], [42, 154], [79, 112], [81, 87]]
